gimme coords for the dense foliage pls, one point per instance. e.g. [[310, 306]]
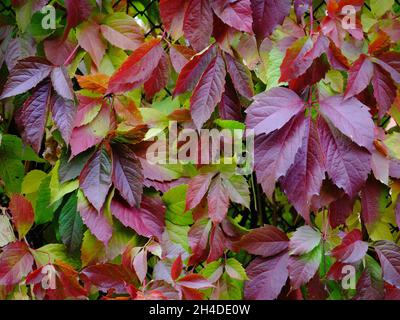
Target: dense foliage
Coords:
[[85, 215]]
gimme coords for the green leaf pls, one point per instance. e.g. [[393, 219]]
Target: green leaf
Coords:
[[235, 269], [178, 234], [380, 7], [23, 15], [230, 124], [393, 143], [71, 225], [32, 181], [175, 201], [43, 209], [212, 271], [232, 288], [52, 252], [92, 250]]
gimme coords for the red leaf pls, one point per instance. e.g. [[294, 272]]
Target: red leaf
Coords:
[[197, 24], [208, 92], [372, 195], [304, 240], [122, 31], [26, 74], [192, 71], [198, 187], [275, 153], [369, 288], [127, 174], [108, 276], [148, 220], [176, 268], [218, 244], [158, 79], [351, 117], [236, 14], [66, 285], [266, 241], [95, 178], [140, 265], [58, 51], [63, 112], [96, 221], [218, 201], [340, 210], [23, 215], [77, 11], [241, 77], [31, 118], [138, 68], [384, 89], [198, 240], [90, 39], [15, 263], [390, 61], [267, 14], [272, 110], [194, 281], [62, 83], [172, 14], [389, 256], [360, 75], [230, 107], [303, 268], [84, 137], [304, 179], [180, 56], [300, 56], [352, 249], [267, 277], [347, 172]]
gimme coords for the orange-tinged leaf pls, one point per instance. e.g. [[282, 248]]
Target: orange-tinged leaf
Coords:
[[97, 82], [22, 212]]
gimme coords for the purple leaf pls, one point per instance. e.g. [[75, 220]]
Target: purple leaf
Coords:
[[384, 89], [95, 178], [63, 112], [267, 277], [236, 14], [272, 110], [389, 256], [198, 23], [208, 92], [348, 165], [352, 249], [127, 174], [266, 241], [351, 117], [304, 240], [360, 75], [218, 201], [275, 153], [148, 220], [62, 83], [240, 75], [96, 221], [304, 178], [267, 14], [25, 75], [303, 268], [31, 118]]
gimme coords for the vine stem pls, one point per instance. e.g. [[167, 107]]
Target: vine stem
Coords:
[[69, 58], [311, 18]]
